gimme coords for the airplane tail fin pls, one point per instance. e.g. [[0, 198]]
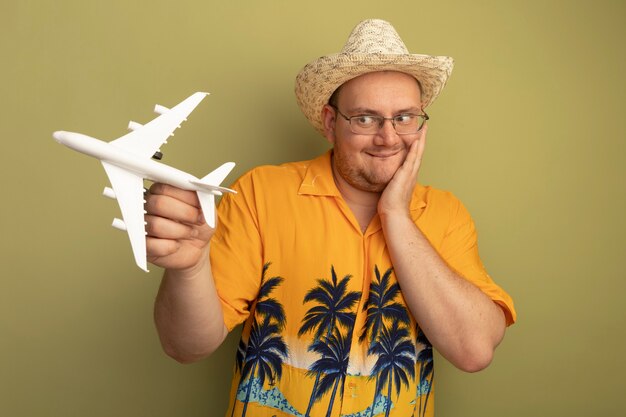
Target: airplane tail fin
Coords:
[[211, 183], [217, 176]]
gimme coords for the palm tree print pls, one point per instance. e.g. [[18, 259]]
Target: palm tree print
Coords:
[[382, 308], [269, 307], [395, 363], [335, 353], [425, 359], [381, 305], [265, 354], [266, 349], [239, 358], [333, 308], [241, 355]]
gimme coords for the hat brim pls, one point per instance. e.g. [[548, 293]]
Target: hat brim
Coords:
[[317, 81]]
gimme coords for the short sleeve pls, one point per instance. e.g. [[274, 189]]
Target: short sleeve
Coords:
[[459, 248], [236, 252]]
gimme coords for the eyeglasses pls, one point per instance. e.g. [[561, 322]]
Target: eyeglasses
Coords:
[[369, 124]]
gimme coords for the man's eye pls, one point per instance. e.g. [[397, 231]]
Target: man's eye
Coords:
[[404, 119], [365, 120]]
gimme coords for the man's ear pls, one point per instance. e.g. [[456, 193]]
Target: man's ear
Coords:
[[328, 120]]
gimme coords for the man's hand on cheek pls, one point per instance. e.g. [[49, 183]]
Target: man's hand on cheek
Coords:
[[396, 197]]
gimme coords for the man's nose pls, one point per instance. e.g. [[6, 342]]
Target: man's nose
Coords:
[[387, 135]]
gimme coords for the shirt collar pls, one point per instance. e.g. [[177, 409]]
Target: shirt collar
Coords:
[[318, 179]]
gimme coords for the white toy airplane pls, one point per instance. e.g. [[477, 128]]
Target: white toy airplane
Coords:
[[127, 162]]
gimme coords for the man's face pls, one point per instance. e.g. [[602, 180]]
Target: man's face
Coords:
[[368, 162]]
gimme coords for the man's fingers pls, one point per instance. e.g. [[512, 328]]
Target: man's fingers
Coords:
[[421, 143], [176, 232], [173, 254], [164, 205], [188, 197], [167, 229], [159, 248], [416, 151]]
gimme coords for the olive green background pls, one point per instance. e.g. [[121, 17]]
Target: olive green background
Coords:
[[529, 133]]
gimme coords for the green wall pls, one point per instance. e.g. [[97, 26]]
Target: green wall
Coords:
[[529, 133]]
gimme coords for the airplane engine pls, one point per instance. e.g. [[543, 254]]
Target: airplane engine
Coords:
[[134, 125], [160, 109], [109, 193], [119, 224]]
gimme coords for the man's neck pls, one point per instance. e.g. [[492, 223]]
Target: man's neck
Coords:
[[363, 204]]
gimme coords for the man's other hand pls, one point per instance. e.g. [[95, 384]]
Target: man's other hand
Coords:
[[397, 194], [178, 235]]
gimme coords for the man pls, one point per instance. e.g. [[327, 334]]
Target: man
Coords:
[[344, 272]]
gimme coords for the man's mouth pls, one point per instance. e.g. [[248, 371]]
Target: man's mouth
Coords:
[[383, 155]]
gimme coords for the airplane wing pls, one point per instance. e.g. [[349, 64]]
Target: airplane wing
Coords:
[[128, 188], [147, 139]]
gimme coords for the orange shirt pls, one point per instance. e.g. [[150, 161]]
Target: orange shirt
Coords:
[[327, 331]]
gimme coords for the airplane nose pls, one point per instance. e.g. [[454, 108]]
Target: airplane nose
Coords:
[[58, 136]]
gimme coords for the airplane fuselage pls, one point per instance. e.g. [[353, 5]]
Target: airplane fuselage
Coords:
[[147, 168]]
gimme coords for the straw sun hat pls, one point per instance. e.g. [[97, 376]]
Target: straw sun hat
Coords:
[[373, 45]]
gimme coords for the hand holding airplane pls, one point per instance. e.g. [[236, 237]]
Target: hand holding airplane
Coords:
[[128, 161]]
